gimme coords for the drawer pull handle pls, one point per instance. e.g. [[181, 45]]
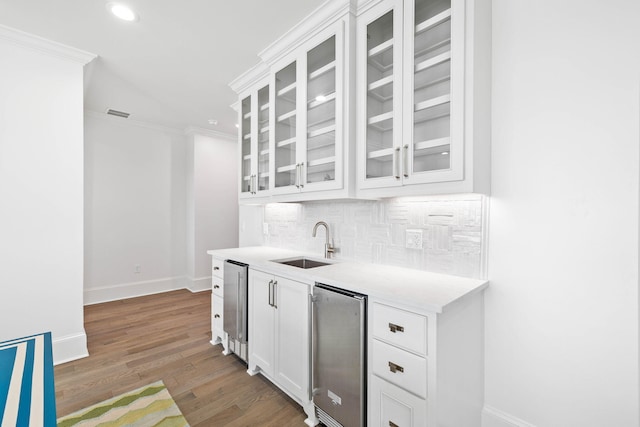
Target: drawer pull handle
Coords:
[[395, 328], [395, 368], [217, 316], [216, 268], [392, 424], [216, 286]]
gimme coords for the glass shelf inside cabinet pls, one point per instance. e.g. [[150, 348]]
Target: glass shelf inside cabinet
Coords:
[[285, 126], [321, 112], [379, 129], [432, 86]]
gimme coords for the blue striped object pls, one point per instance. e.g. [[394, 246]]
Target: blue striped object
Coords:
[[27, 392]]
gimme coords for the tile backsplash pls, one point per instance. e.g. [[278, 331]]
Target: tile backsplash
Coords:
[[453, 231]]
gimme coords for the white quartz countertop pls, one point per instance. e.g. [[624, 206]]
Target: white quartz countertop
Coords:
[[413, 288]]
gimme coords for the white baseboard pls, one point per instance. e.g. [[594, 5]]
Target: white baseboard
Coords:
[[199, 284], [132, 290], [70, 347], [492, 417]]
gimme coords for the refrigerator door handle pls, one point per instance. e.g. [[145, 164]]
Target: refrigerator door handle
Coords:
[[239, 309], [312, 344]]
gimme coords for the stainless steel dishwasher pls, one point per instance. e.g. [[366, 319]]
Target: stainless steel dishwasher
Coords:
[[338, 356], [235, 306]]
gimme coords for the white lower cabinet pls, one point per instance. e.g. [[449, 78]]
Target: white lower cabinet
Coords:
[[217, 304], [391, 406], [279, 334]]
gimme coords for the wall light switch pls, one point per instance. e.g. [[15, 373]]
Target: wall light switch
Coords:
[[265, 228], [414, 239]]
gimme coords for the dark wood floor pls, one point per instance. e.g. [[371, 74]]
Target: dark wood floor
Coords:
[[166, 337]]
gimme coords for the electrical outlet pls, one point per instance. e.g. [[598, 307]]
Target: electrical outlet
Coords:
[[414, 239], [136, 268]]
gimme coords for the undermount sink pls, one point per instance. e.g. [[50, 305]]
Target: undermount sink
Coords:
[[301, 262]]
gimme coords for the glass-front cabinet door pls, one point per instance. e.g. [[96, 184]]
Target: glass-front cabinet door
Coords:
[[380, 106], [285, 119], [254, 134], [433, 149], [246, 150], [322, 161]]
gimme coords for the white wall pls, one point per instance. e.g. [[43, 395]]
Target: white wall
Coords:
[[562, 308], [135, 208], [41, 197], [212, 203]]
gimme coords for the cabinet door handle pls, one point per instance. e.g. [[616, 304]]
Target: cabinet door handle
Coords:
[[275, 294], [395, 328], [395, 368], [392, 424], [217, 316], [216, 286], [255, 184], [405, 161], [297, 181], [301, 175], [216, 268], [270, 292], [396, 163]]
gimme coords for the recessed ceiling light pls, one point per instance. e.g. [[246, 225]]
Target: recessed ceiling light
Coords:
[[212, 122], [122, 11]]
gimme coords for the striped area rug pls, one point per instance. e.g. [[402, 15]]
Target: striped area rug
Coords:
[[148, 406]]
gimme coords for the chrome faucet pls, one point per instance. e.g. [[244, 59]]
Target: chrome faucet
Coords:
[[328, 247]]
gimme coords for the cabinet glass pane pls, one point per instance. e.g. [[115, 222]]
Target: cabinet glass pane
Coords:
[[321, 112], [379, 139], [432, 86], [285, 126], [263, 139], [245, 134]]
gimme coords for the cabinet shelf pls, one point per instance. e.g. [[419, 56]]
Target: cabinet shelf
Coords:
[[264, 153], [287, 168], [432, 143], [263, 129], [286, 116], [380, 83], [285, 142], [264, 106], [431, 83], [378, 121], [382, 154], [324, 161], [382, 47], [315, 103], [322, 70], [321, 131], [247, 136], [285, 90], [425, 50], [432, 102], [246, 157], [428, 63], [433, 21]]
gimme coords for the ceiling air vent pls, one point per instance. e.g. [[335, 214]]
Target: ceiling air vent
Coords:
[[118, 113]]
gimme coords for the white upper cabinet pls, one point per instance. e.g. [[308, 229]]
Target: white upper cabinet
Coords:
[[370, 99], [421, 102]]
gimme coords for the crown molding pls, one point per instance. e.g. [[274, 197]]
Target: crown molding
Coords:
[[40, 44], [194, 130], [326, 14], [249, 77]]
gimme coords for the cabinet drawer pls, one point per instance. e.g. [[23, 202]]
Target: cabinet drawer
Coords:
[[216, 269], [217, 310], [400, 328], [392, 406], [400, 367], [217, 286]]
